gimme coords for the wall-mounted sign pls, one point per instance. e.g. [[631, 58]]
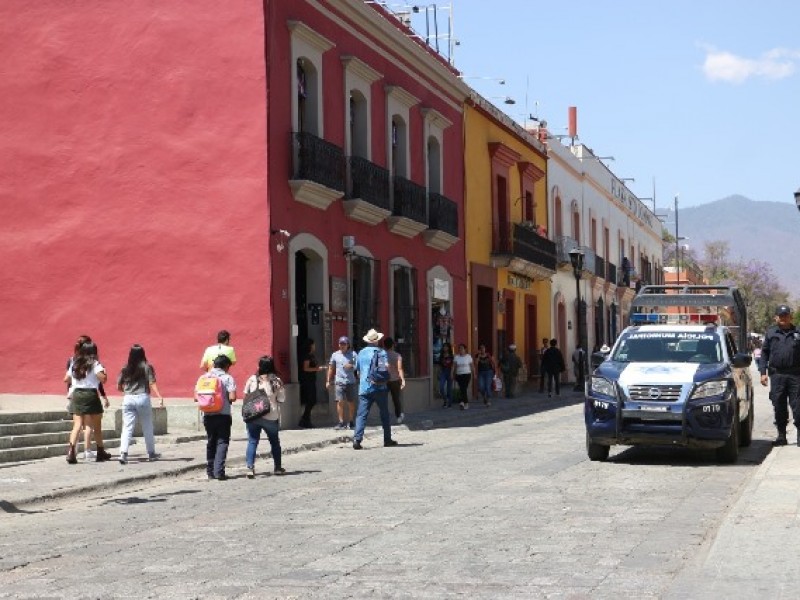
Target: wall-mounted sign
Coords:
[[519, 281], [338, 294], [441, 289]]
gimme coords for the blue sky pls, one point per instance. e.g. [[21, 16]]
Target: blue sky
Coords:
[[702, 95]]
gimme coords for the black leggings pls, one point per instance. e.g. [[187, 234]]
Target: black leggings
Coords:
[[463, 386]]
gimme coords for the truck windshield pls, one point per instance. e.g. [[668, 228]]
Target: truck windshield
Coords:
[[670, 347]]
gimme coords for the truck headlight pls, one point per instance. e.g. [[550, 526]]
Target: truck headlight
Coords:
[[710, 388], [601, 385]]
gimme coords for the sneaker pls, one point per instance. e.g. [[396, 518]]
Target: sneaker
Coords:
[[465, 406], [102, 455], [251, 472], [356, 445], [390, 443], [339, 426], [351, 425], [461, 404], [153, 456], [89, 455], [123, 458], [400, 418], [222, 477], [280, 471], [445, 404]]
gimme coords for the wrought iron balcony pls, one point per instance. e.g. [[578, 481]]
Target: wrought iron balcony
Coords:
[[443, 214], [600, 266], [368, 199], [408, 208], [318, 170], [524, 251], [612, 272]]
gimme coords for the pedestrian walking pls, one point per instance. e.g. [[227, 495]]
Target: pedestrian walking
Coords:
[[397, 378], [309, 369], [372, 365], [342, 376], [486, 372], [446, 374], [553, 365], [465, 372], [85, 376], [266, 378], [542, 376], [88, 453], [136, 381], [578, 362], [218, 425], [780, 358], [222, 347], [510, 366]]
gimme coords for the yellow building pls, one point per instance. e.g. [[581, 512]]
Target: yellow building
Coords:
[[510, 258]]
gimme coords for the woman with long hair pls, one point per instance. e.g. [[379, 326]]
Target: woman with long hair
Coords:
[[309, 367], [487, 370], [465, 369], [446, 359], [136, 380], [267, 379], [86, 374]]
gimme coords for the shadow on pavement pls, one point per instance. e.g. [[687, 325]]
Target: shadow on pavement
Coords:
[[687, 457], [8, 507], [148, 499]]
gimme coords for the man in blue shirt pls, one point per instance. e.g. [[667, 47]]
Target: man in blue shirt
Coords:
[[341, 374], [370, 391]]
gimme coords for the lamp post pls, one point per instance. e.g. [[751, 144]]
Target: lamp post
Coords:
[[576, 258]]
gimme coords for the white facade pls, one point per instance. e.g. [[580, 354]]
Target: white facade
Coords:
[[591, 208]]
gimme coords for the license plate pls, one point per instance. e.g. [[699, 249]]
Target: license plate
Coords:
[[655, 408]]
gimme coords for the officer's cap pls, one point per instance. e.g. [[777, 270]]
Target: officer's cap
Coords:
[[783, 310]]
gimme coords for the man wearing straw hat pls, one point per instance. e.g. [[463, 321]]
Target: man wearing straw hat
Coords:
[[372, 366]]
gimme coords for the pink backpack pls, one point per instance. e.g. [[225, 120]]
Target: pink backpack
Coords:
[[209, 393]]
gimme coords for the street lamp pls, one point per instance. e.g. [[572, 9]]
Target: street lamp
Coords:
[[576, 258], [797, 198]]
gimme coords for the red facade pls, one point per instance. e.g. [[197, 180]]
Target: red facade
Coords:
[[148, 166]]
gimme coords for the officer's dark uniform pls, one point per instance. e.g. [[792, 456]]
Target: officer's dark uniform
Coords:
[[780, 357]]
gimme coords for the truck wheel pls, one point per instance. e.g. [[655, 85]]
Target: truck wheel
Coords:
[[729, 453], [596, 451], [746, 428]]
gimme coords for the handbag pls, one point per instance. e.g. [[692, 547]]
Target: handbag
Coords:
[[497, 384], [256, 403]]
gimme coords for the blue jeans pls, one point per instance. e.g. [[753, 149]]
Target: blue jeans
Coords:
[[218, 433], [137, 406], [254, 429], [364, 405], [446, 387], [485, 383]]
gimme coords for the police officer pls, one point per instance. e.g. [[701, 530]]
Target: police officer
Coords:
[[780, 356]]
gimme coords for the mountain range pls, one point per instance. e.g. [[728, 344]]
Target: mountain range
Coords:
[[764, 231]]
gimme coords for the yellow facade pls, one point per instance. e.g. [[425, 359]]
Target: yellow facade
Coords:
[[509, 301]]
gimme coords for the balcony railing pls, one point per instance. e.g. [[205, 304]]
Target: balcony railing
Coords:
[[599, 266], [589, 259], [612, 272], [523, 243], [443, 214], [564, 244], [369, 182], [318, 160], [409, 200]]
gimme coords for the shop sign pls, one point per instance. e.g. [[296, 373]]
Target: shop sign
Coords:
[[519, 281]]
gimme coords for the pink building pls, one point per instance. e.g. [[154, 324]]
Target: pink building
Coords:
[[283, 170]]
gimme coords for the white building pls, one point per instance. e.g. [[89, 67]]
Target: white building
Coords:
[[590, 208]]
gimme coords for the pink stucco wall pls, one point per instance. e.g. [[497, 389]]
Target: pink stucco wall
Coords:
[[132, 185]]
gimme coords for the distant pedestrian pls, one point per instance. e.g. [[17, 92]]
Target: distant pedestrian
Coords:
[[372, 389], [309, 369], [465, 371], [486, 372], [578, 361], [136, 380], [267, 379], [446, 374], [542, 376], [218, 425], [342, 375], [397, 378], [510, 366], [85, 376], [553, 365], [222, 347], [780, 357]]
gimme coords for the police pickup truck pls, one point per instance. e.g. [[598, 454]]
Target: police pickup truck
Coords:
[[676, 376]]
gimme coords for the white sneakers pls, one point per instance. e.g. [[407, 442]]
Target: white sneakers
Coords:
[[89, 455], [400, 418]]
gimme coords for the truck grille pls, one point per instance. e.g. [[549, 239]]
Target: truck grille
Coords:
[[655, 393]]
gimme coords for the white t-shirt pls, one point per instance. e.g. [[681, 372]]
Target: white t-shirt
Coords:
[[90, 381], [463, 364]]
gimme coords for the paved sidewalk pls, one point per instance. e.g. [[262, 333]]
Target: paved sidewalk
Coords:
[[183, 452]]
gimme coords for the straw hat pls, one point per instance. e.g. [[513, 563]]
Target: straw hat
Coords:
[[373, 337]]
